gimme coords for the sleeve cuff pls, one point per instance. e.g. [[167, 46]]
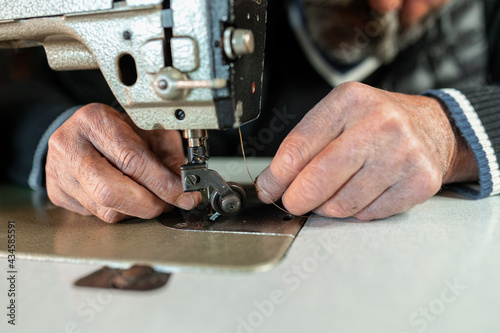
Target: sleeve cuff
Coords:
[[472, 129], [36, 179]]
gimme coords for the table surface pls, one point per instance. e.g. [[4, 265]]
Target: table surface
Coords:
[[434, 268]]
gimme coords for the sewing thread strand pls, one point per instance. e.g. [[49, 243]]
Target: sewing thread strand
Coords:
[[258, 188]]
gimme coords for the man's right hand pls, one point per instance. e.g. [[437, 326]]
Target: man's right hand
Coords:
[[100, 163]]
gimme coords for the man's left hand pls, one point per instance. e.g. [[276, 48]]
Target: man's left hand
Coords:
[[367, 153]]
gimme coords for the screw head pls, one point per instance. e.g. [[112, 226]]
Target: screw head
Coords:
[[231, 204], [191, 180], [180, 114], [163, 84], [127, 35]]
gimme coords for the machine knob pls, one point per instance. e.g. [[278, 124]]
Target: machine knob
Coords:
[[238, 42]]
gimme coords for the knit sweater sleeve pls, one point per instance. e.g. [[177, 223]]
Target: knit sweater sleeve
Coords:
[[476, 113]]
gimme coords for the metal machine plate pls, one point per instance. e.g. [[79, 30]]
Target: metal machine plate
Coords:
[[255, 240]]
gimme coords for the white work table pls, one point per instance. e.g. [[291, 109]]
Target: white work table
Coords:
[[435, 268]]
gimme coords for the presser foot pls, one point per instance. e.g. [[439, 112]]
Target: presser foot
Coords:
[[226, 198]]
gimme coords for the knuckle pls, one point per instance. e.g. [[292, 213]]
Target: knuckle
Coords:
[[308, 190], [93, 116], [168, 190], [132, 162], [352, 87], [87, 114], [355, 91], [292, 156], [428, 188], [54, 197], [57, 142], [429, 178], [91, 111], [155, 211], [376, 211], [104, 195], [110, 215], [341, 207], [366, 216], [391, 121]]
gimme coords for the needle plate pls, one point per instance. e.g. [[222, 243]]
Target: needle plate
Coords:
[[254, 240]]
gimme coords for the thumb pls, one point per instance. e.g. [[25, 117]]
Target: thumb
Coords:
[[268, 189]]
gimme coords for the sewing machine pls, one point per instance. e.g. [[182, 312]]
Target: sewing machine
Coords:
[[188, 65]]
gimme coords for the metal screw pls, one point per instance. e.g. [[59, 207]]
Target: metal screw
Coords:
[[231, 204], [179, 114], [191, 180], [162, 84], [127, 35]]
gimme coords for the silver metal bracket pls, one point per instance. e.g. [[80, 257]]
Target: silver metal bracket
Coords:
[[226, 198]]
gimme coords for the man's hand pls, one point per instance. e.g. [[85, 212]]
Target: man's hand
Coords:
[[367, 153], [100, 163]]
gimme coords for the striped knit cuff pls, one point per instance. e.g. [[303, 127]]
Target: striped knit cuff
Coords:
[[472, 129]]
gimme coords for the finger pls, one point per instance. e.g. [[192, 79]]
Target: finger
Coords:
[[399, 198], [385, 5], [129, 153], [92, 208], [359, 192], [167, 145], [73, 196], [103, 184], [320, 126], [59, 198], [326, 174]]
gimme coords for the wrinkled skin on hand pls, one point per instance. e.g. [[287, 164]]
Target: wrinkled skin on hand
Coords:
[[367, 153], [100, 163], [411, 11]]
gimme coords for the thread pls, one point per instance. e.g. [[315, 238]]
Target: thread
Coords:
[[258, 188]]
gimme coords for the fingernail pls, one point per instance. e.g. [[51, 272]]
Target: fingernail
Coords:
[[185, 201]]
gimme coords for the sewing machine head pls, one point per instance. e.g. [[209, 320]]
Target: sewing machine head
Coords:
[[180, 64]]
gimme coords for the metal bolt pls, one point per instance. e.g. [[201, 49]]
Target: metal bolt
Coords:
[[231, 204], [180, 115], [127, 35], [162, 84], [191, 180]]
